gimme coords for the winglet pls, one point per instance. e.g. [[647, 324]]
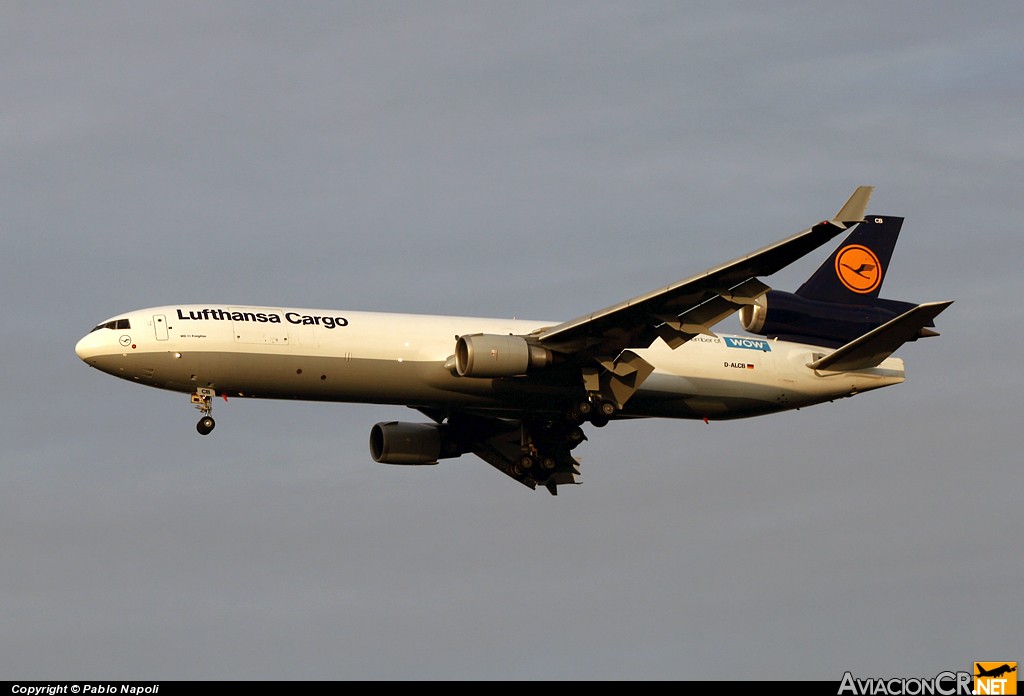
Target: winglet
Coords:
[[855, 208]]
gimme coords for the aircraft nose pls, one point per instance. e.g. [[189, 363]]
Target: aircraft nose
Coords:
[[81, 348], [87, 347]]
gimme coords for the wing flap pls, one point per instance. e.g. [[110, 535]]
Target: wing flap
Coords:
[[623, 376], [875, 346], [700, 319]]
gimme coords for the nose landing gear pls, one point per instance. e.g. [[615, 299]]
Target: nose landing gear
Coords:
[[202, 399]]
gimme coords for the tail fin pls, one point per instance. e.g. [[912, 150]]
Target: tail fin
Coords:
[[854, 273]]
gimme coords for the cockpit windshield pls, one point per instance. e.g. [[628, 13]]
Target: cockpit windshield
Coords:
[[113, 324]]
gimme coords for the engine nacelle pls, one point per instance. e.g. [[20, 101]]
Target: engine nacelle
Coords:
[[491, 355], [411, 443], [754, 316]]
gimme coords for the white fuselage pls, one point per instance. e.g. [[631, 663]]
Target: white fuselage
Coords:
[[332, 355]]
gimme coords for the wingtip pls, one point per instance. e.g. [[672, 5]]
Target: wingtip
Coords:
[[855, 208], [936, 307]]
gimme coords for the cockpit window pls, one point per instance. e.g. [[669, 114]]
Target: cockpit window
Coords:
[[114, 324]]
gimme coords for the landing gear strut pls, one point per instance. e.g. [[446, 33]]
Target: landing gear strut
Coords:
[[202, 399]]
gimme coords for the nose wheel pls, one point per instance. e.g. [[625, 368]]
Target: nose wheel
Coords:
[[202, 399]]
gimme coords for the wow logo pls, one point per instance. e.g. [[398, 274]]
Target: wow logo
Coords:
[[748, 343]]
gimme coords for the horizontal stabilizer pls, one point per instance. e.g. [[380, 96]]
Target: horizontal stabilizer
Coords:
[[875, 346]]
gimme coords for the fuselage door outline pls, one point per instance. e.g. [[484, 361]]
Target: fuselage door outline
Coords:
[[160, 327]]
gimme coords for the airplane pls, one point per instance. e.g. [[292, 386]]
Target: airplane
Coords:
[[516, 393], [995, 672]]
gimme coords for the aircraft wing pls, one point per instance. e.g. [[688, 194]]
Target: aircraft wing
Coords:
[[691, 306]]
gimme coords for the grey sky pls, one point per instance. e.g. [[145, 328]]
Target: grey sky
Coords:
[[527, 159]]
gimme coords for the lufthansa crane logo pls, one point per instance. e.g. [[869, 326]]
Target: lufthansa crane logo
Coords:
[[858, 269]]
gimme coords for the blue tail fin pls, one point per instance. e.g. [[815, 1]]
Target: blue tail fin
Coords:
[[854, 273]]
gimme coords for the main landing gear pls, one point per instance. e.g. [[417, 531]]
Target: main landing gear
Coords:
[[544, 445], [202, 399], [594, 409]]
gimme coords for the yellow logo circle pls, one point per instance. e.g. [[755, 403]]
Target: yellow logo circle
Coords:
[[858, 269]]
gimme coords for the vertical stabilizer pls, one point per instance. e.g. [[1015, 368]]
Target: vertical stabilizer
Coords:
[[854, 273]]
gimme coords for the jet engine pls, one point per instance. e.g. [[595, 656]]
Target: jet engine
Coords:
[[490, 355], [754, 316], [412, 443]]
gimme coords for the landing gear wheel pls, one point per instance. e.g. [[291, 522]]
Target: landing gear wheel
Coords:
[[603, 413], [526, 462], [547, 462], [579, 412], [205, 425]]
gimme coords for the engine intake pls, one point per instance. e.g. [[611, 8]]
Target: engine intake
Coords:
[[754, 316], [490, 355]]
